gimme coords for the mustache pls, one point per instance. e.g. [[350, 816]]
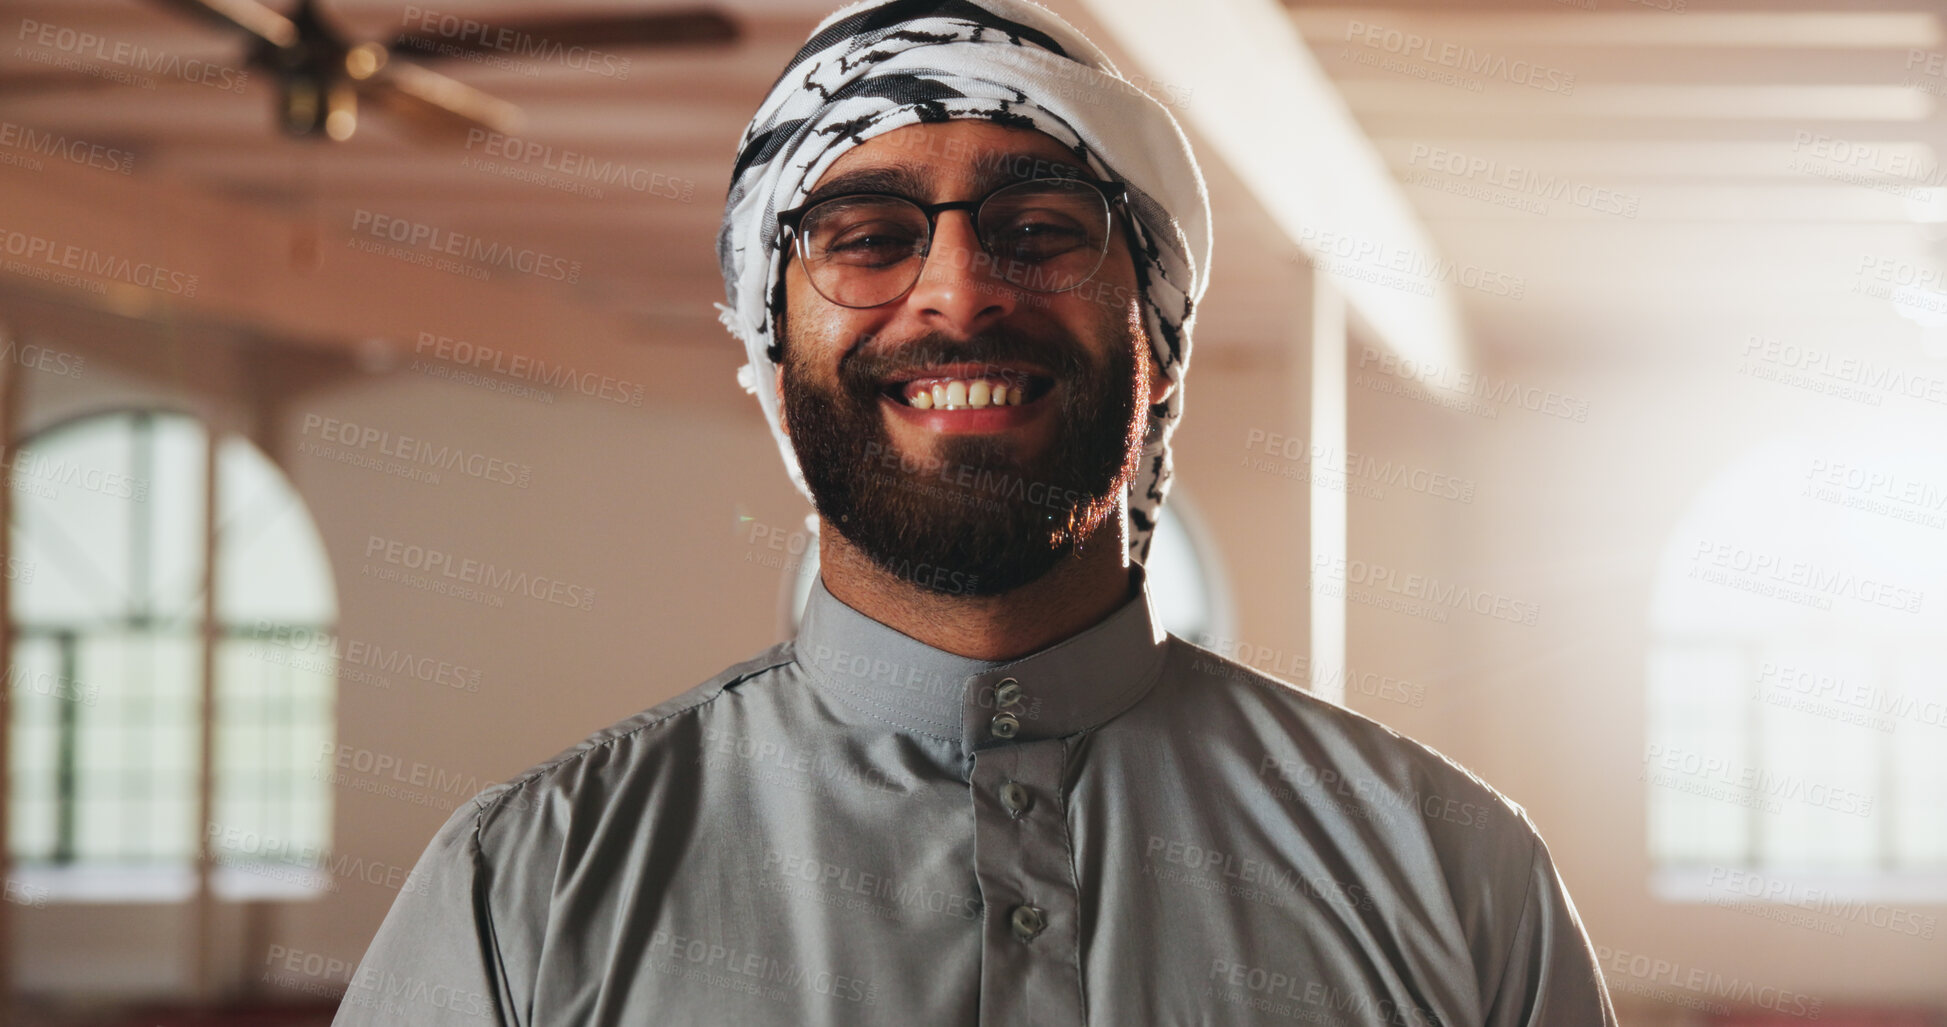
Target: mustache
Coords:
[[867, 366]]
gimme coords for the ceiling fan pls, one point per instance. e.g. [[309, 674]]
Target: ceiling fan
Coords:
[[322, 75]]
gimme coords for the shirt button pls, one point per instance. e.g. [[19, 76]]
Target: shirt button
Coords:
[[1004, 725], [1015, 798], [1028, 922], [1008, 693]]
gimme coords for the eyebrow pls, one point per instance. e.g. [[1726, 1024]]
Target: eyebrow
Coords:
[[910, 181]]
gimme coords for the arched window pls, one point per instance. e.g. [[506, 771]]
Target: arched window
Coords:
[[107, 680], [1186, 580], [1797, 721]]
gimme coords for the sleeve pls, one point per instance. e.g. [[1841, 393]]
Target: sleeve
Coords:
[[435, 960], [1550, 975]]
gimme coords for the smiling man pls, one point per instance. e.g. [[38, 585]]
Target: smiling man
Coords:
[[982, 785]]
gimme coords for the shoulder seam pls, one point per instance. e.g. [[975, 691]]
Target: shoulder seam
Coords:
[[772, 658], [1280, 687]]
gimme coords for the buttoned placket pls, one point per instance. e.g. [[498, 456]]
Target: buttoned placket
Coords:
[[1023, 860]]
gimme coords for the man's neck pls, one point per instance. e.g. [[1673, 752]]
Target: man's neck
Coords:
[[1078, 593]]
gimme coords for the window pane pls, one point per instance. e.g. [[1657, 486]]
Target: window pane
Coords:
[[36, 695], [135, 784], [107, 684], [273, 565], [1811, 558], [1697, 815], [1918, 804], [274, 721]]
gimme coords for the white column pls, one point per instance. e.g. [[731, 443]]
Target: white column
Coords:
[[1328, 516]]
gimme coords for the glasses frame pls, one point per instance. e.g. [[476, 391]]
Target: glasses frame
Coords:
[[1114, 194]]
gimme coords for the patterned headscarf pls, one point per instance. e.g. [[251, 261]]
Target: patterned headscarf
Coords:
[[883, 64]]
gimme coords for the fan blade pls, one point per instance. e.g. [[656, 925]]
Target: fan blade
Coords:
[[436, 103], [540, 36], [248, 15]]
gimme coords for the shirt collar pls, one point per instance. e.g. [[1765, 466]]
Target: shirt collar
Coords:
[[1072, 685]]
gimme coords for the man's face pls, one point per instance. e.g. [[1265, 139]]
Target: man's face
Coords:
[[975, 500]]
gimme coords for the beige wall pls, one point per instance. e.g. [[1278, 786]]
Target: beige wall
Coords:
[[1573, 518]]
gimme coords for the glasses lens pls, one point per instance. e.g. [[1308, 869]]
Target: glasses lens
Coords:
[[861, 251], [1048, 235]]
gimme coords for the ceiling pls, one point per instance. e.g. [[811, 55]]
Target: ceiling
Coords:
[[1684, 189], [1661, 174]]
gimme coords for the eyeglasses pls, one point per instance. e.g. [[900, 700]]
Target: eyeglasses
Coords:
[[1042, 234]]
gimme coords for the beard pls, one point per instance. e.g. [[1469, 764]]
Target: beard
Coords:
[[972, 517]]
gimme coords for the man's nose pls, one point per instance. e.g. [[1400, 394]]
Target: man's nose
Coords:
[[958, 291]]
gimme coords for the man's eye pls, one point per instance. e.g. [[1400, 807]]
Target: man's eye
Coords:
[[1040, 239], [872, 244]]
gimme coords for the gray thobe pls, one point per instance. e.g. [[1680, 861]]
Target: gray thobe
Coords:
[[858, 828]]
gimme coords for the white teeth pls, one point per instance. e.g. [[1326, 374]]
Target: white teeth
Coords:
[[965, 394]]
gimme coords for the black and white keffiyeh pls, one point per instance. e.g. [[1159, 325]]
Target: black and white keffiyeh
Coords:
[[883, 64]]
